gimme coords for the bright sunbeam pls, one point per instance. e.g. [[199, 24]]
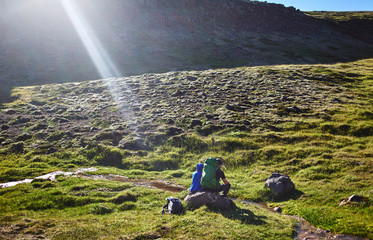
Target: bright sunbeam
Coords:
[[98, 54], [102, 61]]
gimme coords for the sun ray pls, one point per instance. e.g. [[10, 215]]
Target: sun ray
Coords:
[[98, 54]]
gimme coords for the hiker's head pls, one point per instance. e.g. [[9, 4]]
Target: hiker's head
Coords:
[[220, 162], [200, 166]]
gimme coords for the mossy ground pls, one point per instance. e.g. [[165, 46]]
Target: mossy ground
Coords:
[[325, 146]]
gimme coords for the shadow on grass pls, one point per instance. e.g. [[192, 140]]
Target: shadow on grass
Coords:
[[294, 196], [244, 215], [266, 195]]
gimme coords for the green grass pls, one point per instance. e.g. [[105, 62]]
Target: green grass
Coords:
[[327, 152], [74, 209], [343, 16]]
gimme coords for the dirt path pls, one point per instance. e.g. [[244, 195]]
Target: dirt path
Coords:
[[138, 182]]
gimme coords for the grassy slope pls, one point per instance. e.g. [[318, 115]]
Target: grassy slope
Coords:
[[326, 150]]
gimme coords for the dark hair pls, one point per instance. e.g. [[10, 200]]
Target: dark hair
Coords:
[[220, 161]]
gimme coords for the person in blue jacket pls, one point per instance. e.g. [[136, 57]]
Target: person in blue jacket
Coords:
[[196, 181]]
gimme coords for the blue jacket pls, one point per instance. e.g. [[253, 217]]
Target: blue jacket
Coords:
[[196, 182]]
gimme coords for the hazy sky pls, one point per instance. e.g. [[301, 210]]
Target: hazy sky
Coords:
[[328, 5]]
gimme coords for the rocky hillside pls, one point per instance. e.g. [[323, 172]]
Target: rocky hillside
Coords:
[[141, 112], [311, 122], [39, 44]]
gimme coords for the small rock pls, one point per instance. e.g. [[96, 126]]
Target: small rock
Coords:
[[280, 184], [277, 209]]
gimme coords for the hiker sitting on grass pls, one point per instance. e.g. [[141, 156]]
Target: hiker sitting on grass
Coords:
[[212, 174], [196, 182]]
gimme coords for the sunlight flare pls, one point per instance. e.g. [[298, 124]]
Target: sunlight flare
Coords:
[[98, 54]]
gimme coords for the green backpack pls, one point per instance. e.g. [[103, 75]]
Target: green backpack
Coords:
[[208, 176]]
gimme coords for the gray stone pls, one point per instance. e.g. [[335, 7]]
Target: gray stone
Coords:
[[210, 199], [280, 184], [277, 209]]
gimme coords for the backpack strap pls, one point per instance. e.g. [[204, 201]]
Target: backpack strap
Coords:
[[165, 207]]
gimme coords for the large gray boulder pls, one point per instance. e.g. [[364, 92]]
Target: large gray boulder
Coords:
[[210, 199], [280, 184]]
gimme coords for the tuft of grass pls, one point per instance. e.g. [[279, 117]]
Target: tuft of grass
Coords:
[[100, 209]]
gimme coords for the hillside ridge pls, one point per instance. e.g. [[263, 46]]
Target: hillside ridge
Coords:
[[159, 36]]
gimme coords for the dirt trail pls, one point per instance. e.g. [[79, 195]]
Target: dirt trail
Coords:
[[111, 177], [305, 231], [138, 182]]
